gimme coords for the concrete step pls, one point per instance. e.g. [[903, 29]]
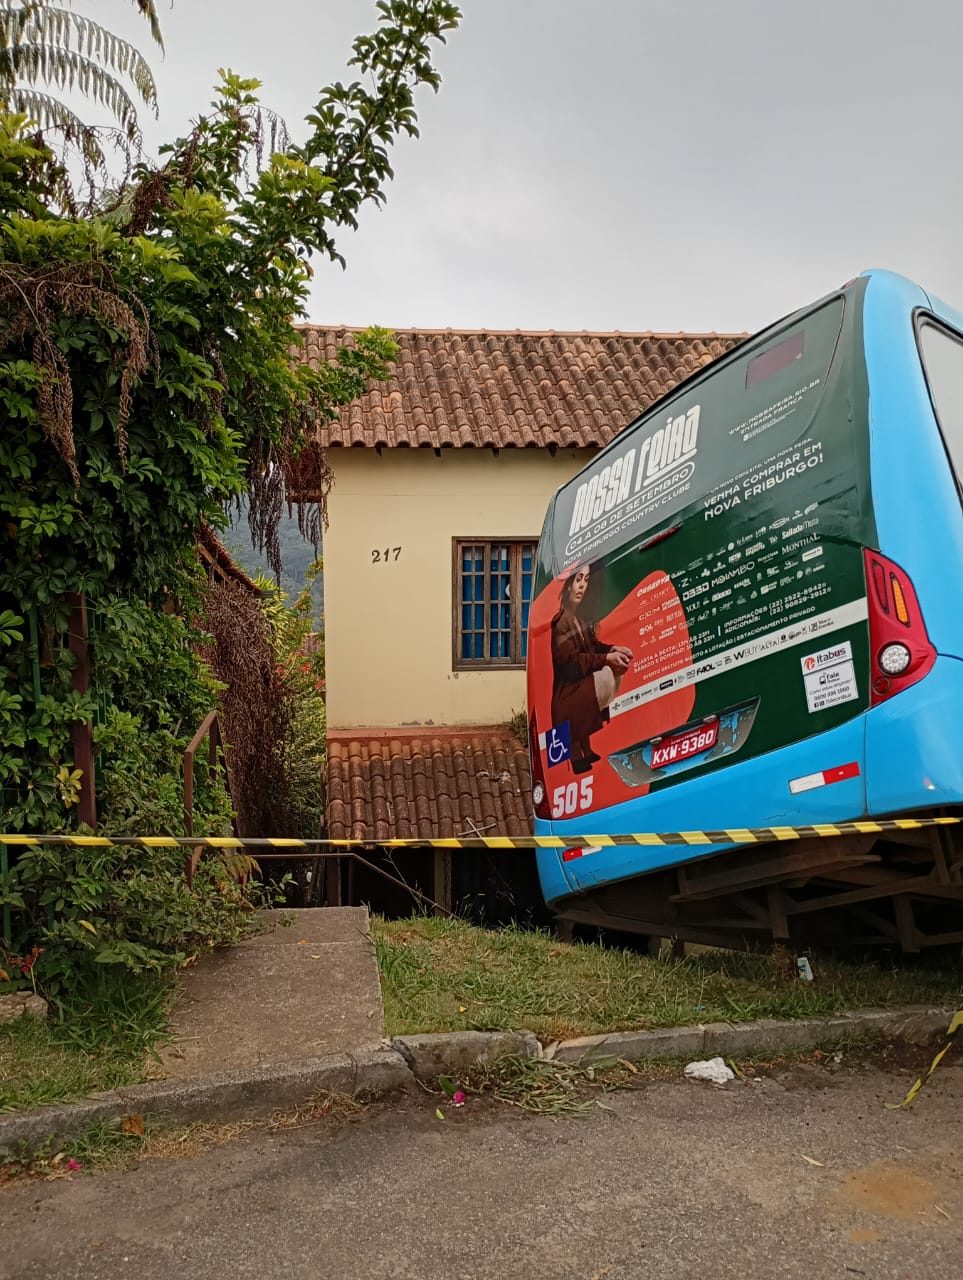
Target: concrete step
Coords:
[[305, 986]]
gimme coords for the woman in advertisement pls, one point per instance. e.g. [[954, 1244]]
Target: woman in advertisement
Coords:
[[586, 672]]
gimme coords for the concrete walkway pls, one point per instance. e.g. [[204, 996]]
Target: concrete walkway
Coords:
[[304, 988]]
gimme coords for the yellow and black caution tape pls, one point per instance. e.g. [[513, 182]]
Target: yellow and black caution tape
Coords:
[[951, 1033], [318, 848]]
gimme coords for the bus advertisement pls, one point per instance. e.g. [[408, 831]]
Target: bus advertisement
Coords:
[[718, 613]]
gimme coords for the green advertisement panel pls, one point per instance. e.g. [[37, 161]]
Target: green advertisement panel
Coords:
[[701, 591]]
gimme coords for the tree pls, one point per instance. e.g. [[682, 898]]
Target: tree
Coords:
[[146, 379], [50, 45]]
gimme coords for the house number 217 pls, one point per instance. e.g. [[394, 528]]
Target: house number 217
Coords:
[[389, 553]]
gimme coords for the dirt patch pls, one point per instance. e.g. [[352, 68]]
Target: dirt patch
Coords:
[[909, 1194]]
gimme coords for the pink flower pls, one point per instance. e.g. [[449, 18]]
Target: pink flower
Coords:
[[73, 1165], [458, 1098]]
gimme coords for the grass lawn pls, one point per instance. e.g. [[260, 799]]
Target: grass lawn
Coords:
[[85, 1050], [445, 975]]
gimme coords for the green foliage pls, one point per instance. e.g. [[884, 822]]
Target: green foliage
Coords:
[[50, 45], [146, 380], [299, 653], [100, 910]]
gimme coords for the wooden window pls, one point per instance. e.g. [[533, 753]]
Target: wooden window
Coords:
[[492, 594]]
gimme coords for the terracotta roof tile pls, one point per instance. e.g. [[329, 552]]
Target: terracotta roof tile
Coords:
[[510, 389], [420, 785]]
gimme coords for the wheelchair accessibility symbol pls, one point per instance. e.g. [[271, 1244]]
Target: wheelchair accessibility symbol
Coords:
[[558, 744]]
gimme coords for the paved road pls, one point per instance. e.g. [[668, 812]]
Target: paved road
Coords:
[[678, 1181]]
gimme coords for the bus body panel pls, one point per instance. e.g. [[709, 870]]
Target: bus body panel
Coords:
[[919, 519], [896, 757], [913, 739], [913, 756]]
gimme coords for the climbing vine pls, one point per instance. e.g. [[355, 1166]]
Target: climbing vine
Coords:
[[147, 380]]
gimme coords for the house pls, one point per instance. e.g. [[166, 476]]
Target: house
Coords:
[[442, 477]]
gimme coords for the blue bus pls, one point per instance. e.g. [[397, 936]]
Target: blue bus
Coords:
[[747, 614]]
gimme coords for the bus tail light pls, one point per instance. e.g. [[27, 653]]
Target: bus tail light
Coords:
[[539, 790], [900, 649]]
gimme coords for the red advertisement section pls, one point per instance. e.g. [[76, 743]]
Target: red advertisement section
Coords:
[[581, 667]]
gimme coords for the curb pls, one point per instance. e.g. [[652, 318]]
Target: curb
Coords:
[[257, 1091], [398, 1064], [453, 1053], [914, 1025], [247, 1092]]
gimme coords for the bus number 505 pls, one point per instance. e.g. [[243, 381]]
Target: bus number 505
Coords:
[[572, 799]]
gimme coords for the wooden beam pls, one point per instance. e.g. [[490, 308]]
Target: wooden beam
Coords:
[[708, 937], [906, 923], [864, 875], [920, 886], [887, 929], [810, 857], [911, 839], [753, 909], [442, 879], [946, 856], [941, 939], [778, 920], [332, 888]]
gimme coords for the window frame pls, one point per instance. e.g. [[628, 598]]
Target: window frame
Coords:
[[927, 320], [515, 544]]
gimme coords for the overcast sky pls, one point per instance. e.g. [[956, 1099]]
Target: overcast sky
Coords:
[[623, 164]]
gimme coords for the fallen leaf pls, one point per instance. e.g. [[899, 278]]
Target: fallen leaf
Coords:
[[314, 957], [462, 1008], [629, 1066], [4, 976], [809, 1160], [133, 1126], [57, 1159], [439, 1114]]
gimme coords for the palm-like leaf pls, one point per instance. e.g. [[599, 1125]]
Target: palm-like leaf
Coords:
[[50, 45]]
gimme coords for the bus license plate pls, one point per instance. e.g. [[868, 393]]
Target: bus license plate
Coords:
[[683, 745]]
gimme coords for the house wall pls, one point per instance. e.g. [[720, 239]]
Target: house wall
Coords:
[[388, 623]]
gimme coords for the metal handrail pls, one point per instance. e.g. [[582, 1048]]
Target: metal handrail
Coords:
[[210, 728]]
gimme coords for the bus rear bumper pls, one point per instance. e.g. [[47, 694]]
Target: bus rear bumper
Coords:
[[902, 755], [776, 789]]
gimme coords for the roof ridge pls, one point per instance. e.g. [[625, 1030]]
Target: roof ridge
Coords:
[[525, 333], [408, 732]]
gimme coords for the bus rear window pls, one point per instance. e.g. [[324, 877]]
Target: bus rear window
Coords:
[[942, 353], [776, 359], [725, 437]]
